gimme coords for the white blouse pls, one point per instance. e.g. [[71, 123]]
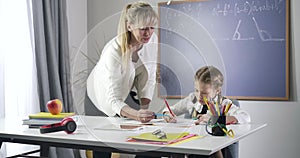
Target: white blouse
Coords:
[[187, 104], [110, 82]]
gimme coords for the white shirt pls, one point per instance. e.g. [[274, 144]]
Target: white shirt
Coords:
[[187, 104], [110, 82]]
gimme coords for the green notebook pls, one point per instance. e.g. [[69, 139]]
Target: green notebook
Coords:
[[47, 115]]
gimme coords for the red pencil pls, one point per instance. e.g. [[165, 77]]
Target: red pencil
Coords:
[[169, 107], [223, 110]]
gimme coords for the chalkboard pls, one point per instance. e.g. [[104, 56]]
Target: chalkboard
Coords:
[[247, 40]]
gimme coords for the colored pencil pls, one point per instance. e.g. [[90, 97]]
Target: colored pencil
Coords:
[[169, 107]]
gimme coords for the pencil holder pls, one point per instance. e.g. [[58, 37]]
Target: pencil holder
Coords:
[[217, 124]]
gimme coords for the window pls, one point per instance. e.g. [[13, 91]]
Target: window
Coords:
[[17, 67]]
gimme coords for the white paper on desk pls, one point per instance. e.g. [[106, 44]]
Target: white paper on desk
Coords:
[[119, 127], [126, 124], [133, 125], [161, 122], [184, 123], [134, 122]]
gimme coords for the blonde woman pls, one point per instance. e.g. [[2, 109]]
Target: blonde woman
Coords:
[[127, 61]]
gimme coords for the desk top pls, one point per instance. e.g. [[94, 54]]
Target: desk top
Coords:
[[100, 132]]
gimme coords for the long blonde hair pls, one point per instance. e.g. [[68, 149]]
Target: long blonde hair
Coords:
[[139, 14]]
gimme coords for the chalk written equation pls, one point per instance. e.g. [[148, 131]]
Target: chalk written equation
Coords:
[[241, 20], [249, 8]]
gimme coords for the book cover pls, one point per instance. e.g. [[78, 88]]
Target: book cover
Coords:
[[40, 122], [47, 115]]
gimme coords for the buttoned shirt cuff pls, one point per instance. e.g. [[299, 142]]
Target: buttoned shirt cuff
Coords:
[[117, 107]]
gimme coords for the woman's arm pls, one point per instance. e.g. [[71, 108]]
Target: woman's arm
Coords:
[[145, 103]]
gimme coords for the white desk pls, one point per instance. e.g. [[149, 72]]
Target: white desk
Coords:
[[87, 137]]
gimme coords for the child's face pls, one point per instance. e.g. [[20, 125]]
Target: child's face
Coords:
[[204, 90]]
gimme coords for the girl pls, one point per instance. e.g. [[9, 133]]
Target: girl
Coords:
[[208, 84]]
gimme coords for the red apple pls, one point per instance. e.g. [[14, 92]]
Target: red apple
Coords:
[[54, 106]]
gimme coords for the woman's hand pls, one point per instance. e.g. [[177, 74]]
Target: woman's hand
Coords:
[[142, 115], [145, 115], [169, 118]]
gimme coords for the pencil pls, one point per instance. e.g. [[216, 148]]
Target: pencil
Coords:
[[169, 107], [223, 110], [161, 115], [217, 107], [208, 106], [227, 108]]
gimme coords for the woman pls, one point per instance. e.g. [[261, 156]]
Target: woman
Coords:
[[127, 61]]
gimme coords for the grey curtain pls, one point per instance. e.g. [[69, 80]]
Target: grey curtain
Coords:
[[52, 59], [52, 52]]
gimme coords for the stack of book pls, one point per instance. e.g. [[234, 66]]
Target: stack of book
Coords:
[[45, 118]]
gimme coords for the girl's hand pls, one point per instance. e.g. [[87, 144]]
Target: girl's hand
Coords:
[[231, 120], [202, 119], [169, 118]]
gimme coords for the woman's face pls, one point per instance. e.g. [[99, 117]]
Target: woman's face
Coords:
[[141, 35], [204, 90]]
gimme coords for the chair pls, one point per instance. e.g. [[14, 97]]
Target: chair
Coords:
[[236, 102], [232, 151]]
